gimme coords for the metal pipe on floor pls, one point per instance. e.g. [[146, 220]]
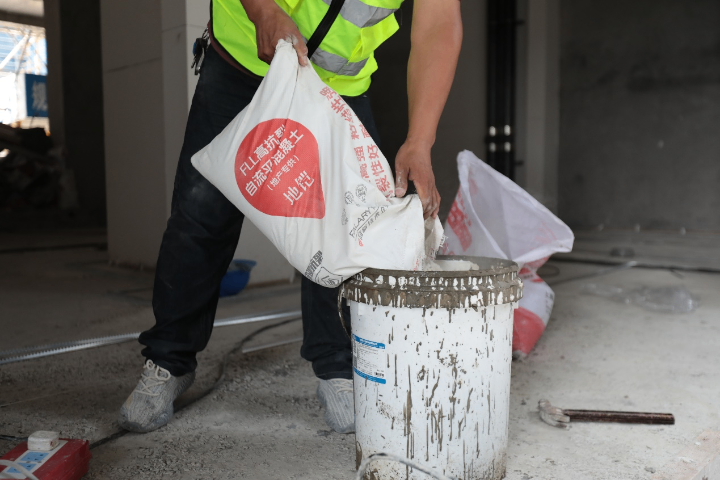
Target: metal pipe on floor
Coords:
[[39, 351]]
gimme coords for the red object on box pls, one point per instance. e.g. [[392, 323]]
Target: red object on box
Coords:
[[67, 461]]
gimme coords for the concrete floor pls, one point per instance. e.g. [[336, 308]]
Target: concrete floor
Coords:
[[264, 421]]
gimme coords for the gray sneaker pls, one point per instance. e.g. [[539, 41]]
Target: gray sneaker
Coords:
[[336, 395], [150, 405]]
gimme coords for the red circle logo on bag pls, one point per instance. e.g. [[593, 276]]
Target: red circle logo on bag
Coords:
[[277, 169]]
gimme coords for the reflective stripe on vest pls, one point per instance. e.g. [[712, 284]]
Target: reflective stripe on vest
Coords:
[[361, 14], [335, 63], [345, 58]]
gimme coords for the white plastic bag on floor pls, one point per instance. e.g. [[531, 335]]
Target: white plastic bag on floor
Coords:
[[300, 165], [493, 217]]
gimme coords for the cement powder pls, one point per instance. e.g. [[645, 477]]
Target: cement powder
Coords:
[[449, 266]]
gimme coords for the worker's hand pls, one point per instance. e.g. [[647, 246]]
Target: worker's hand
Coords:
[[413, 163], [272, 24]]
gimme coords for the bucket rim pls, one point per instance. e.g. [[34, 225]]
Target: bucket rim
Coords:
[[498, 283]]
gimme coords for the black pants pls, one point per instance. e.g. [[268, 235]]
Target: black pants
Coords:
[[202, 235]]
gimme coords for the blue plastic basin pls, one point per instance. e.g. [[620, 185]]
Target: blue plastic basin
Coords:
[[236, 278]]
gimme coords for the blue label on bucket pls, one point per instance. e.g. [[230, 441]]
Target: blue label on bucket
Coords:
[[368, 343], [368, 359], [372, 379]]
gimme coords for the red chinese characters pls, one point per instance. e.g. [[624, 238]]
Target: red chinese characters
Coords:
[[328, 92], [377, 168], [347, 115], [338, 104], [360, 154], [383, 185], [278, 172], [373, 152], [367, 153]]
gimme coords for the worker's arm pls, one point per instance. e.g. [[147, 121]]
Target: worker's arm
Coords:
[[436, 38], [272, 24]]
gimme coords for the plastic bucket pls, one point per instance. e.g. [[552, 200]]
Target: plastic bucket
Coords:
[[431, 354]]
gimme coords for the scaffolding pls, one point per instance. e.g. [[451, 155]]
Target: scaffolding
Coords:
[[22, 51]]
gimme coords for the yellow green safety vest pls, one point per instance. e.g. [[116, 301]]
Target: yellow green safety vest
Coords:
[[345, 58]]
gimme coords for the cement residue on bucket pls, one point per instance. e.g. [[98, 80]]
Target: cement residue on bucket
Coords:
[[484, 282], [431, 356]]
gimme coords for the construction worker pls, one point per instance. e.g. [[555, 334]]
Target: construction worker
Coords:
[[204, 227]]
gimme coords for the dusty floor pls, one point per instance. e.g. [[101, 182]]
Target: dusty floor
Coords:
[[264, 421]]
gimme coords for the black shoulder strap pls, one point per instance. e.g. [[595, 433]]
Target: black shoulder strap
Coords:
[[325, 24]]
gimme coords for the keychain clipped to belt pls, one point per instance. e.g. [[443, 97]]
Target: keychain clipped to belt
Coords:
[[199, 48]]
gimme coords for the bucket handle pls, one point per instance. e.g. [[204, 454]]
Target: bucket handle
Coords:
[[341, 290]]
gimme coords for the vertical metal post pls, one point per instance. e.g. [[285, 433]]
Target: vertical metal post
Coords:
[[509, 23], [492, 67], [501, 27]]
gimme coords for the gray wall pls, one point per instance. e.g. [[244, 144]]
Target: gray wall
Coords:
[[75, 97], [537, 128], [640, 113], [462, 125], [148, 88], [134, 138]]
